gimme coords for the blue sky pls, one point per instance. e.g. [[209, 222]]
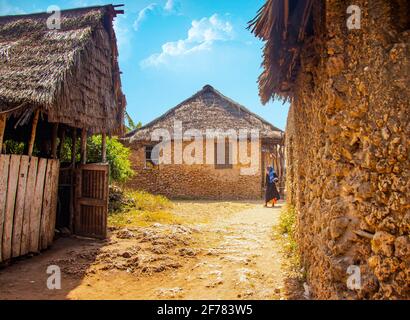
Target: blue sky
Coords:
[[169, 49]]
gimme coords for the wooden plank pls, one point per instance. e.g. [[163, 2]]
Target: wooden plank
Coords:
[[3, 120], [33, 132], [92, 202], [35, 213], [28, 203], [94, 167], [19, 210], [10, 205], [4, 174], [46, 209], [54, 199]]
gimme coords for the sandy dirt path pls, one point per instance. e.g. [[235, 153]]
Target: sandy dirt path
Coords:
[[232, 257]]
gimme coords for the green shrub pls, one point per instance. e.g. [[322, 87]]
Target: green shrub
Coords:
[[117, 157], [14, 147], [287, 231], [287, 220]]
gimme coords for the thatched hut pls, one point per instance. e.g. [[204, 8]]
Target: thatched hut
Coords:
[[345, 70], [55, 84], [195, 171]]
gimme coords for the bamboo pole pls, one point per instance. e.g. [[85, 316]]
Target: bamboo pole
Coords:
[[3, 120], [104, 147], [33, 133], [54, 133], [83, 146]]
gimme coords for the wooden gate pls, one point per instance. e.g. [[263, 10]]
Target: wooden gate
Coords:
[[28, 203], [91, 202]]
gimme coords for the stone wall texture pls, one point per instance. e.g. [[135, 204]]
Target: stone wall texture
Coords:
[[348, 149], [196, 181]]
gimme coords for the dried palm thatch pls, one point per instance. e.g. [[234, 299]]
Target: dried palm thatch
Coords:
[[208, 109], [70, 74], [283, 24]]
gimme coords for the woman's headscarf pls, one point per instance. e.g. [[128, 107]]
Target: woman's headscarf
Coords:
[[271, 173]]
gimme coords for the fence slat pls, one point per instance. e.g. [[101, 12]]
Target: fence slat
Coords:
[[46, 209], [35, 213], [10, 205], [54, 199], [4, 174], [28, 203], [19, 209]]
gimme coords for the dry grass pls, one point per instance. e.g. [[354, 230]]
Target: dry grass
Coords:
[[148, 209]]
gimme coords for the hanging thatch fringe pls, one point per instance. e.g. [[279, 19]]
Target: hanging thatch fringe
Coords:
[[71, 74], [282, 24]]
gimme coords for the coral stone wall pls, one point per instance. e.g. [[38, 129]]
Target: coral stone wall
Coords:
[[348, 153], [196, 181]]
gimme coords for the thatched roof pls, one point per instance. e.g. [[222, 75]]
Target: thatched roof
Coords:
[[208, 109], [71, 74], [284, 25]]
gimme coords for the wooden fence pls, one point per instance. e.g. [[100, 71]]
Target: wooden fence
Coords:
[[28, 204]]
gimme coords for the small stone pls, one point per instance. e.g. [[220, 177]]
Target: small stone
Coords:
[[126, 254], [338, 227], [402, 248], [385, 133], [125, 234], [382, 242]]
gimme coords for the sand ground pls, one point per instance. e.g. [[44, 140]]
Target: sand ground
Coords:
[[228, 253]]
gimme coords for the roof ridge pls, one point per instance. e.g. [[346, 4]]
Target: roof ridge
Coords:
[[22, 15], [205, 88]]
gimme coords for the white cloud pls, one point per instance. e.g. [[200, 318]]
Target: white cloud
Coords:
[[142, 15], [201, 36], [170, 7]]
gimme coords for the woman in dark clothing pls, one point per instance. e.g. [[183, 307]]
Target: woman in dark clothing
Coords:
[[271, 190]]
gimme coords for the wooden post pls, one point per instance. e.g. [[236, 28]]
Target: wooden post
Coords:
[[2, 128], [54, 132], [62, 140], [83, 146], [104, 147], [33, 132], [74, 147], [73, 173]]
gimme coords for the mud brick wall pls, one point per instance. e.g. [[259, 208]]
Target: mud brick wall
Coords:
[[348, 143], [182, 181]]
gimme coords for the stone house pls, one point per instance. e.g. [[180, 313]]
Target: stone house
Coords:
[[345, 70], [207, 147]]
